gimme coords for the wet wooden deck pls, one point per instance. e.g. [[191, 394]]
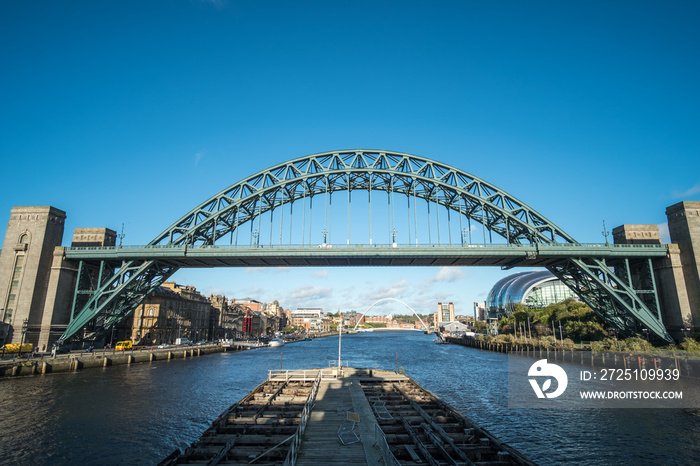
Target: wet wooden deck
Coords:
[[360, 416]]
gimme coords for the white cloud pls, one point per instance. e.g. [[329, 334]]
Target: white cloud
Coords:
[[320, 273], [198, 156], [311, 293], [392, 291], [689, 192], [446, 275]]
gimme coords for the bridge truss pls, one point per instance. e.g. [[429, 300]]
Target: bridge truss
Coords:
[[617, 283]]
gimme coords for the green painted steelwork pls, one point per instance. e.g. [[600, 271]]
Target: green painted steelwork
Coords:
[[192, 240]]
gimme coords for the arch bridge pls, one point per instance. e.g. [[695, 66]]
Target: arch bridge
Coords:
[[405, 209], [425, 327]]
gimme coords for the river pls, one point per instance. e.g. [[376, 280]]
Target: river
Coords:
[[139, 414]]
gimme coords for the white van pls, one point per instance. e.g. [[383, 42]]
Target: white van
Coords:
[[182, 341]]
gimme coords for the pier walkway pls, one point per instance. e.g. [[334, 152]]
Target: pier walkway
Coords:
[[335, 399], [358, 416]]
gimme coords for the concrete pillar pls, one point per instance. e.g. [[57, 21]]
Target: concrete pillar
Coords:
[[668, 274], [673, 293], [59, 299], [25, 266], [684, 227]]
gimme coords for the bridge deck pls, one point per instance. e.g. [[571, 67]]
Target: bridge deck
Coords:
[[499, 255]]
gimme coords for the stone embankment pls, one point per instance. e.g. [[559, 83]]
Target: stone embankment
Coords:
[[86, 360], [688, 366]]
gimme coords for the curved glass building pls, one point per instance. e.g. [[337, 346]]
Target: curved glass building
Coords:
[[534, 289]]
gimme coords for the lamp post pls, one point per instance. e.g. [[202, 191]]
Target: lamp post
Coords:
[[24, 332], [605, 233]]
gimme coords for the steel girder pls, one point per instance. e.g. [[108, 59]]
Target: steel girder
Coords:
[[109, 298], [628, 308], [115, 297]]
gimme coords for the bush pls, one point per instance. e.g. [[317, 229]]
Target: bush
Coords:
[[689, 344], [547, 342], [636, 344], [597, 346]]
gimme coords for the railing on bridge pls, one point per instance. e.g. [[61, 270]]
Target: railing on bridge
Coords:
[[621, 247]]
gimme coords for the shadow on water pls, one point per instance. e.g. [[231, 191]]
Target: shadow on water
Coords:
[[139, 414]]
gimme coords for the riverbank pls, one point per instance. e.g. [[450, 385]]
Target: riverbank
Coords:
[[89, 360], [688, 368]]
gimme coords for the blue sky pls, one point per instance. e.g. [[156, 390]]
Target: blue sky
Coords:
[[134, 112]]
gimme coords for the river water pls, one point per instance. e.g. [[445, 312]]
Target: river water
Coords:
[[139, 414]]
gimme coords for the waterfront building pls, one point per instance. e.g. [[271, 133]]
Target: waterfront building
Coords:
[[533, 289], [249, 303], [351, 318], [379, 319], [480, 311], [308, 318], [172, 311], [454, 327], [220, 319], [445, 313]]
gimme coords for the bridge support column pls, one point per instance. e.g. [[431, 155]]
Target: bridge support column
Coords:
[[668, 274], [684, 227], [673, 294]]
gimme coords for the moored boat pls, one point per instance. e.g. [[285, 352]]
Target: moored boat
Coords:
[[275, 342]]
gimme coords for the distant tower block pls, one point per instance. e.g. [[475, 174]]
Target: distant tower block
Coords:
[[25, 267], [684, 227], [445, 313], [636, 234], [673, 296]]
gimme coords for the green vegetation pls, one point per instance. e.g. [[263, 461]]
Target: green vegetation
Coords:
[[570, 318], [577, 323], [373, 325], [411, 318]]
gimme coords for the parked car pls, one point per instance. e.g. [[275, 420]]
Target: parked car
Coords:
[[164, 345]]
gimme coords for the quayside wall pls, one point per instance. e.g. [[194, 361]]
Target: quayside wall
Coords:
[[80, 361], [689, 368]]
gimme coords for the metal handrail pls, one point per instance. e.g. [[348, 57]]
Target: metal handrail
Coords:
[[380, 441], [365, 246], [293, 452]]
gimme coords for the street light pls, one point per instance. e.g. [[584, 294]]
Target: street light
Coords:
[[24, 332]]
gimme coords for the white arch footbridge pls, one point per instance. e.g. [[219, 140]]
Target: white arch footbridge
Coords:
[[390, 299]]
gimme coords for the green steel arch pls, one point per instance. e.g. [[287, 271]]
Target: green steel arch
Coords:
[[329, 172], [106, 297]]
